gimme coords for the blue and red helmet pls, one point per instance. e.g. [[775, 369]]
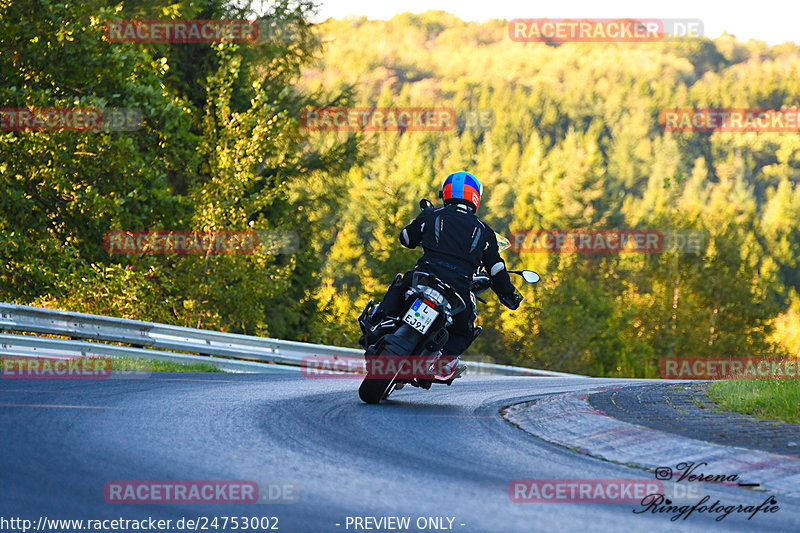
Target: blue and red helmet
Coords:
[[462, 188]]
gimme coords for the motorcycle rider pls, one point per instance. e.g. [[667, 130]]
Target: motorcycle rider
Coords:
[[455, 243]]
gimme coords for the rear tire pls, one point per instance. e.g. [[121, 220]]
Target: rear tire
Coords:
[[373, 390]]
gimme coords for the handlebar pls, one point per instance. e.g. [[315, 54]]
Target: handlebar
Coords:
[[480, 283]]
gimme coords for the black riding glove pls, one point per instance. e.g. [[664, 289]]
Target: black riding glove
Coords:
[[511, 301]]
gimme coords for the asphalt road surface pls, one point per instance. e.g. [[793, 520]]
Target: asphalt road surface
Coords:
[[442, 458]]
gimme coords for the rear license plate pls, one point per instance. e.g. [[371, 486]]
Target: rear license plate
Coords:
[[420, 316]]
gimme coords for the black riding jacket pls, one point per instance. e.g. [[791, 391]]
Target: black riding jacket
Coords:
[[456, 241]]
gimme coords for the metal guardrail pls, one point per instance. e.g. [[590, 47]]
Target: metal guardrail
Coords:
[[31, 346], [159, 341]]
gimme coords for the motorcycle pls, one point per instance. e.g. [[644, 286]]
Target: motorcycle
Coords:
[[407, 350]]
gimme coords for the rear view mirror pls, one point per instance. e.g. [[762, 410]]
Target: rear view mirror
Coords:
[[530, 276], [425, 204]]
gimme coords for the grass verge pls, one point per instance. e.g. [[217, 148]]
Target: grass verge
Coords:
[[154, 365], [773, 399]]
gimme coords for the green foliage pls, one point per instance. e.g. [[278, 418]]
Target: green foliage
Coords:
[[771, 399], [220, 149], [154, 365], [64, 189], [575, 143]]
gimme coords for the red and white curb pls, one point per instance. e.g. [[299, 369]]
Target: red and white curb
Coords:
[[568, 420]]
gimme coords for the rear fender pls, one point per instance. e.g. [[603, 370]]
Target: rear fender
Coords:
[[407, 338]]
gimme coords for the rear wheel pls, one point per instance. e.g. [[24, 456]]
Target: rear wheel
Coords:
[[373, 390], [400, 343]]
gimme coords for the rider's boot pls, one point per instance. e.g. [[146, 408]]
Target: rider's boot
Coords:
[[377, 328]]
